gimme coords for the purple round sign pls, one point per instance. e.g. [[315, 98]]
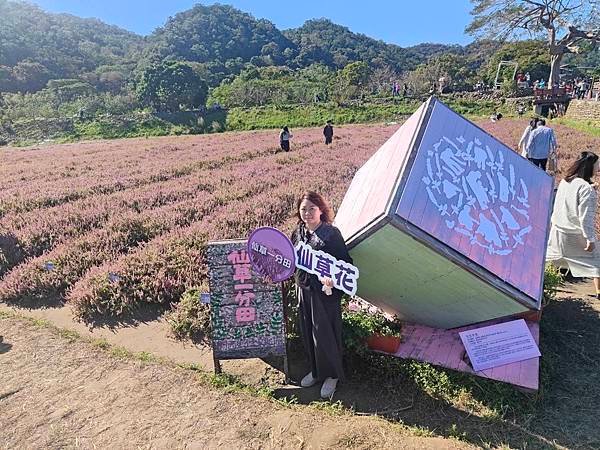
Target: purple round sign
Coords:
[[272, 254]]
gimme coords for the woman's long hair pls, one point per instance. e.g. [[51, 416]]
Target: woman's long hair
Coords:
[[533, 124], [583, 167], [318, 200]]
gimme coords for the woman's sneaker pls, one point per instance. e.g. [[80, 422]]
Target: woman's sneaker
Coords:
[[328, 388], [308, 380]]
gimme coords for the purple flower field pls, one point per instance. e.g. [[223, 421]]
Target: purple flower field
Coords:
[[108, 225]]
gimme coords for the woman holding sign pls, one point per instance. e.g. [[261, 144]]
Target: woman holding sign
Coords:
[[320, 303]]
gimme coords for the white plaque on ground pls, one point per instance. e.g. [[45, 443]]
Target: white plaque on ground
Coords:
[[497, 345]]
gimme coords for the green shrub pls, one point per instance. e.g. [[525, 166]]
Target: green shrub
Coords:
[[552, 280], [360, 324], [190, 318]]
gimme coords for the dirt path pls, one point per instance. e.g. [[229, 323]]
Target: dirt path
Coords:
[[151, 335], [57, 392]]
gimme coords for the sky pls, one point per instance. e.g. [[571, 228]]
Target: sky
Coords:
[[401, 22]]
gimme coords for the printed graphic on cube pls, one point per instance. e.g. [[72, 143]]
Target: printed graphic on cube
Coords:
[[447, 224]]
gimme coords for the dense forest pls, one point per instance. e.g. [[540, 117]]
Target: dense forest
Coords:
[[36, 47], [62, 66]]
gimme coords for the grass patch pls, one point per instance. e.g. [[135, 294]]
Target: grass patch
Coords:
[[101, 343], [267, 117], [314, 115], [69, 335], [333, 408], [119, 352], [588, 126], [143, 124], [230, 384]]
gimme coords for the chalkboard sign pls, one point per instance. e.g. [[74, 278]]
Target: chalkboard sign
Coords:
[[247, 314]]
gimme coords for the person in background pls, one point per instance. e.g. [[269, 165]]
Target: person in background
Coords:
[[320, 308], [328, 133], [496, 117], [541, 145], [572, 242], [525, 138], [284, 139]]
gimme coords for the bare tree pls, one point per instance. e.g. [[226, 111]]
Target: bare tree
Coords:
[[381, 79], [566, 23]]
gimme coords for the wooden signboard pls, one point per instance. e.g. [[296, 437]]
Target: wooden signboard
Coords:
[[247, 314], [447, 224]]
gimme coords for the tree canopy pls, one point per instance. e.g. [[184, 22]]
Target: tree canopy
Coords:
[[171, 86], [36, 46], [566, 24]]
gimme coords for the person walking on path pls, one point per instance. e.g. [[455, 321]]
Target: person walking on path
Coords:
[[320, 307], [572, 242], [284, 139], [525, 138], [328, 133], [541, 145]]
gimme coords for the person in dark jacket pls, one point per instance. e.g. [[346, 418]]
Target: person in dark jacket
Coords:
[[320, 308], [328, 133], [284, 139]]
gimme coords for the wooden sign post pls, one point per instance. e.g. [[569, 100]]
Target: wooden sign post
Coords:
[[247, 314]]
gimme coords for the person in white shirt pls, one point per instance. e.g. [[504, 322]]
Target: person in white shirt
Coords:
[[572, 242], [525, 138]]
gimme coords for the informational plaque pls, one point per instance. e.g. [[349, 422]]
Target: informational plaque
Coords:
[[272, 254], [497, 345], [247, 314]]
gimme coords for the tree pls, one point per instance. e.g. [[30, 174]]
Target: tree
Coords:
[[356, 73], [30, 76], [566, 23], [531, 56], [351, 81], [454, 69], [171, 86], [381, 79]]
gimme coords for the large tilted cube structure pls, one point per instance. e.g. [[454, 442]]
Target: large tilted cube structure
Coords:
[[448, 225]]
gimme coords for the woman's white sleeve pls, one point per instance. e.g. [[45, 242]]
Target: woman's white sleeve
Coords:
[[523, 140], [587, 212]]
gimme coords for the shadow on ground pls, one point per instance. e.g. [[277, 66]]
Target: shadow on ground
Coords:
[[4, 346], [146, 313]]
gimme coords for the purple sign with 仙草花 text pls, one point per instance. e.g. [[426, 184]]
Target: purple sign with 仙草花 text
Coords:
[[271, 254]]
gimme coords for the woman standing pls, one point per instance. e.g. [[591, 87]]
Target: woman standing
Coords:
[[525, 138], [320, 304], [284, 139], [572, 242]]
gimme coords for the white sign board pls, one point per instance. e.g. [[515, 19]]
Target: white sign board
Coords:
[[317, 262], [497, 345]]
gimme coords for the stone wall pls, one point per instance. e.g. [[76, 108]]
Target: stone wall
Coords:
[[584, 110]]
